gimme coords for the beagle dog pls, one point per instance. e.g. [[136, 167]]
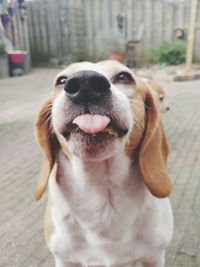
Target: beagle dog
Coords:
[[105, 154], [160, 94]]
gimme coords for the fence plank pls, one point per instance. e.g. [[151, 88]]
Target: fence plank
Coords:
[[157, 22], [36, 43], [115, 11], [129, 15], [89, 30], [43, 28], [65, 32], [168, 21], [196, 56], [148, 25], [138, 11], [191, 34]]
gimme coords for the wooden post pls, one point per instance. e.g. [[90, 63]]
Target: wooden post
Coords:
[[191, 33]]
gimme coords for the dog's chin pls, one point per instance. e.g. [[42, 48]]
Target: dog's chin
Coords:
[[92, 147]]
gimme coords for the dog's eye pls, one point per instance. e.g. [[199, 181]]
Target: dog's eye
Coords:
[[123, 77], [161, 98], [61, 80]]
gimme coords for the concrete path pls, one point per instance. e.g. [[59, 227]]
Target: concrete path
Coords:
[[21, 235]]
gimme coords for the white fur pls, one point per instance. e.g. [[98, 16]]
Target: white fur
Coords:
[[106, 216]]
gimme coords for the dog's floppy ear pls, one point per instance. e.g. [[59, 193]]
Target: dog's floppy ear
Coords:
[[48, 143], [154, 151]]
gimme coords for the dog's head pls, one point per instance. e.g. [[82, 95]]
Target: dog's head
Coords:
[[97, 110], [161, 95]]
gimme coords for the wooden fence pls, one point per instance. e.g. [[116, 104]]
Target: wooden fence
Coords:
[[56, 30], [65, 30]]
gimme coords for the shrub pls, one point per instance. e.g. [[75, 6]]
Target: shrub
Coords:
[[169, 53]]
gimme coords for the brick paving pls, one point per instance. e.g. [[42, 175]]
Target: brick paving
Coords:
[[21, 235]]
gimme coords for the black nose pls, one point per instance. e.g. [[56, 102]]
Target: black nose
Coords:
[[86, 87]]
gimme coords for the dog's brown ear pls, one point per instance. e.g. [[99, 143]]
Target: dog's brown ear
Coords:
[[48, 143], [154, 151]]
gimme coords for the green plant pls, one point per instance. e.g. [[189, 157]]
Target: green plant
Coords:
[[2, 50], [169, 53], [4, 13]]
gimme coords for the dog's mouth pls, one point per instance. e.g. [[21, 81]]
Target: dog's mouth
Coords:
[[94, 127]]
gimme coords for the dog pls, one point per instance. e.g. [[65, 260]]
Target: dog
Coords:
[[159, 91], [105, 154]]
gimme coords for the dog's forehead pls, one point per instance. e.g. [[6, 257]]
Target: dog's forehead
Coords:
[[107, 67], [111, 67], [160, 91], [157, 88], [79, 66]]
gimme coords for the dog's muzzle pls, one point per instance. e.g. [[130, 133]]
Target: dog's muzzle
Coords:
[[90, 92]]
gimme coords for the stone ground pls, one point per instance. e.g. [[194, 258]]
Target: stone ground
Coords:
[[21, 235]]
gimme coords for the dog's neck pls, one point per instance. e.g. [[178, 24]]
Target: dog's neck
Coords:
[[101, 189], [115, 169], [116, 173]]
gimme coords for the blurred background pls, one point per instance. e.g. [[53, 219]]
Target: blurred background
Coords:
[[135, 32]]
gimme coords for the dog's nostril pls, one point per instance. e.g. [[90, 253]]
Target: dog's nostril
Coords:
[[99, 86], [72, 86]]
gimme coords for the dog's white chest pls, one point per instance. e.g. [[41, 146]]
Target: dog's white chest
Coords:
[[97, 222], [94, 217]]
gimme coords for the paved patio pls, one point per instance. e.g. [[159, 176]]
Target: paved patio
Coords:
[[21, 235]]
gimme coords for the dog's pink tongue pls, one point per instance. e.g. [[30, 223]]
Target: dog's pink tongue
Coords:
[[91, 123]]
